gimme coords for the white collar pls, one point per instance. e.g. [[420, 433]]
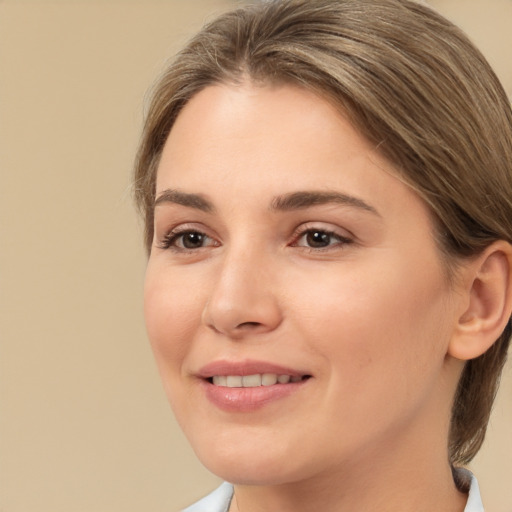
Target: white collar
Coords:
[[474, 503]]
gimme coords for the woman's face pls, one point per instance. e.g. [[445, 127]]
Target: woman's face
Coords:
[[285, 248]]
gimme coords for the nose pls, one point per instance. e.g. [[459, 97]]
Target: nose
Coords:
[[243, 301]]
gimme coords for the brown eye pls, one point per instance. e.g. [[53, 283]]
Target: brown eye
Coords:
[[318, 239], [187, 240], [191, 240]]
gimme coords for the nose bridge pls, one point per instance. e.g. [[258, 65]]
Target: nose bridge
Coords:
[[242, 299]]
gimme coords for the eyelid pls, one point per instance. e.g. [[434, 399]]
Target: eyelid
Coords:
[[344, 236], [165, 241], [322, 226]]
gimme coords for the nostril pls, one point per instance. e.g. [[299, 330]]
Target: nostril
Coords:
[[249, 324]]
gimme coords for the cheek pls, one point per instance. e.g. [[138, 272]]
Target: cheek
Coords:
[[172, 313], [375, 324]]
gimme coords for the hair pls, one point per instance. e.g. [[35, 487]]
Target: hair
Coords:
[[411, 83]]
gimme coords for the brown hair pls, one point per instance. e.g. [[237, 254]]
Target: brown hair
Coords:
[[409, 81]]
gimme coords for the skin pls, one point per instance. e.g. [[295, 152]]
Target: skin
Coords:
[[370, 315]]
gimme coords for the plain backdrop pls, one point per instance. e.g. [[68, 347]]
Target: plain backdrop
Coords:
[[84, 423]]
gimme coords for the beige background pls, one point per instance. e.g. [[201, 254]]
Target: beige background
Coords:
[[84, 424]]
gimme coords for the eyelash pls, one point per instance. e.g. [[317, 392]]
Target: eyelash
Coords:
[[171, 239], [304, 231]]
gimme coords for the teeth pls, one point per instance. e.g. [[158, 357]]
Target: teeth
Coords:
[[253, 381], [234, 381], [268, 379], [220, 380]]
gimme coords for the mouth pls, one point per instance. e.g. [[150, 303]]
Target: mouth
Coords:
[[256, 380], [249, 385]]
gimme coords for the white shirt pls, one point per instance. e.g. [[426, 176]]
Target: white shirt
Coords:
[[219, 500]]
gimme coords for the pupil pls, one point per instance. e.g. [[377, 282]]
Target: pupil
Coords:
[[318, 239], [192, 240]]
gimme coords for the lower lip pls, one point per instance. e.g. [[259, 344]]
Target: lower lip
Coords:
[[248, 399]]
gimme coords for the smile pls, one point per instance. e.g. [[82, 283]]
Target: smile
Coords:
[[254, 381], [248, 385]]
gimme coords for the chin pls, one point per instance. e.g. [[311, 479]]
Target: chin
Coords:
[[242, 472], [249, 463]]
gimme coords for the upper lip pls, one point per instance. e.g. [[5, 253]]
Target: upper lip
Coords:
[[246, 367]]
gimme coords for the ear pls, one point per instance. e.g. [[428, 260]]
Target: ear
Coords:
[[487, 302]]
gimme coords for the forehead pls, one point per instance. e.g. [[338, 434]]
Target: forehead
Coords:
[[224, 128]]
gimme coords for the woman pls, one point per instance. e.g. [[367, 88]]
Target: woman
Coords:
[[326, 188]]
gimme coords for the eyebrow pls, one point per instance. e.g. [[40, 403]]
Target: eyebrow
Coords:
[[196, 201], [305, 199], [287, 202]]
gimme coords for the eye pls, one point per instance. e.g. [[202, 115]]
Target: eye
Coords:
[[315, 238], [186, 240]]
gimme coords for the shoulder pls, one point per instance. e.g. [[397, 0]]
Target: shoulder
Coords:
[[217, 501]]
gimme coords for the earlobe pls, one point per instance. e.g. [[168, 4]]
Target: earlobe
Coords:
[[488, 302]]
